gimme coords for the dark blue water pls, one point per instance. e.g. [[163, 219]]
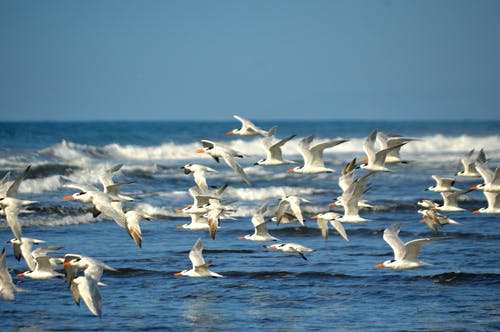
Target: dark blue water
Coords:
[[336, 288]]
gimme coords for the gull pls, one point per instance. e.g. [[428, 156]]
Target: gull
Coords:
[[387, 141], [218, 151], [375, 160], [443, 184], [468, 165], [491, 179], [198, 172], [248, 128], [261, 232], [350, 200], [313, 155], [294, 203], [330, 217], [43, 266], [434, 219], [291, 247], [200, 267], [102, 202], [11, 204], [274, 155], [405, 254], [493, 199], [23, 247], [7, 287]]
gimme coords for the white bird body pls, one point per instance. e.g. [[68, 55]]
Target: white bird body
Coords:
[[313, 155], [218, 151], [200, 267], [443, 184], [291, 247], [333, 218], [248, 128], [43, 266], [493, 199], [261, 233], [198, 222], [405, 254]]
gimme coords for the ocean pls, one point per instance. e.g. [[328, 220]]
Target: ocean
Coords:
[[336, 288]]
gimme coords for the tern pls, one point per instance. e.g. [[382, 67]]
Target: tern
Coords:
[[375, 160], [469, 166], [291, 247], [7, 287], [200, 267], [43, 266], [23, 248], [248, 128], [218, 151], [405, 254], [274, 155], [294, 203], [261, 232], [313, 155], [443, 184], [199, 175], [333, 218], [387, 141], [493, 199]]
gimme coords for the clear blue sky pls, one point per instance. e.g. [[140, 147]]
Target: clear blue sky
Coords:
[[262, 59]]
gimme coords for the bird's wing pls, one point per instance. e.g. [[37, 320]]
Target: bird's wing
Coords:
[[12, 191], [339, 228], [235, 166], [196, 254], [413, 247], [391, 237], [318, 149]]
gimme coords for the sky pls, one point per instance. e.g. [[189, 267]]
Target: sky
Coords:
[[261, 59]]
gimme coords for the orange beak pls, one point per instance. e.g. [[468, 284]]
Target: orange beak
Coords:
[[230, 132], [180, 227], [66, 264], [178, 274], [473, 188], [475, 212], [332, 204], [241, 238], [433, 208], [68, 197], [290, 171], [272, 247], [314, 217], [179, 211], [422, 220], [378, 266], [20, 274], [200, 151], [364, 160]]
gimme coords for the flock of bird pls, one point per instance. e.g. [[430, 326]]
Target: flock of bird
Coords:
[[83, 274]]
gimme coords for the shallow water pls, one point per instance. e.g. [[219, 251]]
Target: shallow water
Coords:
[[337, 287]]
